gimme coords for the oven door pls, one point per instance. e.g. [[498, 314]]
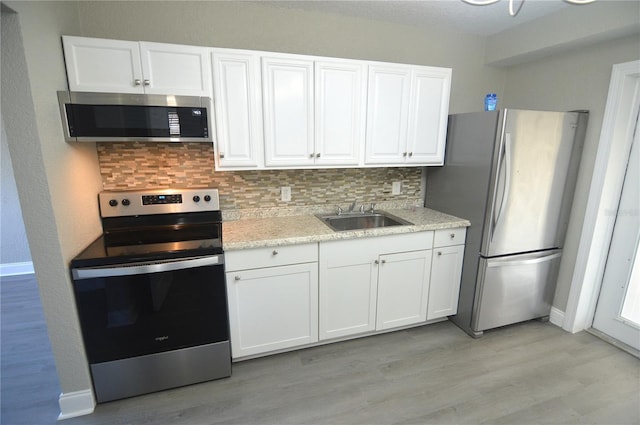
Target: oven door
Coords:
[[143, 308]]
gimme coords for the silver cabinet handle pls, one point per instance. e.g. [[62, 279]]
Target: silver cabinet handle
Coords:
[[274, 252], [237, 277], [137, 82], [147, 82]]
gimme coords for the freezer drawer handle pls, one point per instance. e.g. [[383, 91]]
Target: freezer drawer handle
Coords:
[[524, 262]]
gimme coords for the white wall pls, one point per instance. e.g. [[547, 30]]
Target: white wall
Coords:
[[14, 247]]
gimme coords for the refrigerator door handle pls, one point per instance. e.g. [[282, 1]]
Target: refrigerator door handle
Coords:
[[506, 159], [524, 262]]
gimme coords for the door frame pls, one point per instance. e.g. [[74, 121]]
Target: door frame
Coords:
[[614, 147]]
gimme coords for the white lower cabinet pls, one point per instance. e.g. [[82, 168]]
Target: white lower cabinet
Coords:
[[373, 283], [403, 289], [273, 304], [446, 271]]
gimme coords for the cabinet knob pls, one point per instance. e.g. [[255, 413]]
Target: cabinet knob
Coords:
[[312, 155], [410, 154], [147, 82], [404, 154], [439, 253], [137, 82], [237, 277], [317, 155], [376, 262], [275, 252], [221, 155], [383, 261], [453, 235]]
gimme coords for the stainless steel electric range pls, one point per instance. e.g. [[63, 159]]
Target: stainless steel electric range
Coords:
[[151, 293]]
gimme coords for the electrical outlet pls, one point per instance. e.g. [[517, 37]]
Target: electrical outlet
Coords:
[[285, 193], [396, 188]]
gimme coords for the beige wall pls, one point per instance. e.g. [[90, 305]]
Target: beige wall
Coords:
[[568, 81], [56, 181], [246, 25]]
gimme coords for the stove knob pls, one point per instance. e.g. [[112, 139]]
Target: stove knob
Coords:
[[196, 198], [113, 202], [207, 198], [126, 202]]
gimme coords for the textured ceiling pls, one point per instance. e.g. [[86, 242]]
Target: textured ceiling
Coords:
[[454, 14]]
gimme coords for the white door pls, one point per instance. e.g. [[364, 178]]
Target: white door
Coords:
[[428, 113], [387, 114], [340, 99], [102, 65], [288, 111], [175, 69], [403, 288], [618, 309], [238, 105]]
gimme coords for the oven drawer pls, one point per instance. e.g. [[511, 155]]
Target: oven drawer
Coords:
[[257, 258]]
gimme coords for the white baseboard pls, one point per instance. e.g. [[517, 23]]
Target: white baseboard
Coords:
[[556, 317], [15, 269], [77, 403]]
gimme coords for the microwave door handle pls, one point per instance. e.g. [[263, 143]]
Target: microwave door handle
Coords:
[[145, 268]]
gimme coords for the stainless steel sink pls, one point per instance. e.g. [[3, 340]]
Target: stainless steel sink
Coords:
[[359, 221]]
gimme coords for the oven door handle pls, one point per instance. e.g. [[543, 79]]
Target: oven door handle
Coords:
[[145, 268]]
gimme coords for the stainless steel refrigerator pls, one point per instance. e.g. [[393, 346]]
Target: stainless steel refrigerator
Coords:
[[512, 173]]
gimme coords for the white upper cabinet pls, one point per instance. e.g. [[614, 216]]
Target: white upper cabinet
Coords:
[[176, 69], [100, 65], [287, 86], [407, 114], [238, 108], [117, 66], [387, 113], [340, 102]]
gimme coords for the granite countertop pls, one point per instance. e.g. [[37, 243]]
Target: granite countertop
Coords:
[[262, 232]]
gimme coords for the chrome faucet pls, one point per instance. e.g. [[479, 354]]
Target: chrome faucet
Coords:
[[352, 206]]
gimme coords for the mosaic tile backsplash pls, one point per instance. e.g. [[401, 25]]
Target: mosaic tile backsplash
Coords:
[[126, 166]]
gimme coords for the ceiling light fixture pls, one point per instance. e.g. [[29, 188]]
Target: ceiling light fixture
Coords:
[[516, 5]]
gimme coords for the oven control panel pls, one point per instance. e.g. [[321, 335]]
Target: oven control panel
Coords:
[[157, 201]]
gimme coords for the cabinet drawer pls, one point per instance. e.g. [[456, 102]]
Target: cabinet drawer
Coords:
[[270, 257], [448, 237]]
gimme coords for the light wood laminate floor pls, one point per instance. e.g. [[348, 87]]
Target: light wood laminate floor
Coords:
[[436, 374]]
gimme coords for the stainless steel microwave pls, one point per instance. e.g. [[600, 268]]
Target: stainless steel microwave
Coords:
[[122, 117]]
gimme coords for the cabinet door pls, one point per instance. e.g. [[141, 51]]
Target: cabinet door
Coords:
[[238, 106], [340, 103], [444, 288], [272, 308], [101, 65], [348, 287], [403, 286], [428, 111], [387, 109], [288, 111], [176, 69]]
